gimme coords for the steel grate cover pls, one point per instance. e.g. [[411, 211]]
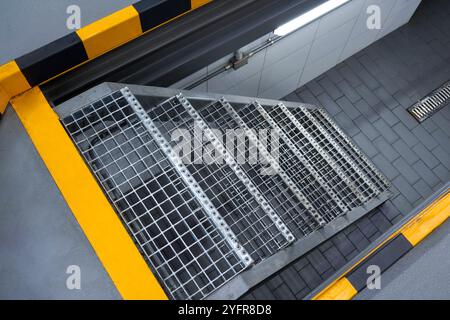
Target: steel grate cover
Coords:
[[279, 189], [172, 230], [199, 223], [238, 206], [426, 107], [296, 166]]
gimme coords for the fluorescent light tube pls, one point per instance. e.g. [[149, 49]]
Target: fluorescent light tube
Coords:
[[309, 16]]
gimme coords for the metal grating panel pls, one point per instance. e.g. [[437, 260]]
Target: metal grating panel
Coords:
[[361, 184], [167, 222], [279, 189], [296, 166], [198, 222], [311, 144], [426, 107], [372, 176], [237, 205], [352, 186]]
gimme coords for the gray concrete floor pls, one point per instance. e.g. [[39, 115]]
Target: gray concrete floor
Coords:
[[424, 273], [39, 236]]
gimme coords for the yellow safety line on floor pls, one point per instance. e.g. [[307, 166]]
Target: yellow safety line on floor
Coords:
[[340, 290], [198, 3], [103, 228], [420, 226], [432, 217]]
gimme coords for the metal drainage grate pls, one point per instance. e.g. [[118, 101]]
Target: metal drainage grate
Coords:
[[200, 224], [431, 104]]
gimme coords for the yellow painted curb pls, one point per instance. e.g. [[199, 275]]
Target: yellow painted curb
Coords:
[[110, 32], [12, 82], [414, 231], [198, 3], [433, 216], [98, 38], [100, 223], [340, 290]]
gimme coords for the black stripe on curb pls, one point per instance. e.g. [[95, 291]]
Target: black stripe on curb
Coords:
[[52, 59], [152, 15], [384, 257]]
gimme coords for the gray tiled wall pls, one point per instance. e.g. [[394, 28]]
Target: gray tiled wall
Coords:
[[306, 53]]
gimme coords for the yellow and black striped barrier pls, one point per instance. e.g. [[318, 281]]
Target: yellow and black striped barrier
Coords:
[[354, 279], [87, 43]]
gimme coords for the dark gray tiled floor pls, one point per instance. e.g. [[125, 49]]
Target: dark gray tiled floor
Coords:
[[368, 95]]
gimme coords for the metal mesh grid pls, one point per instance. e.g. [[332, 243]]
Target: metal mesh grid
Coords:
[[239, 208], [376, 179], [317, 159], [313, 156], [277, 192], [291, 164], [164, 218], [199, 223], [364, 188], [362, 185]]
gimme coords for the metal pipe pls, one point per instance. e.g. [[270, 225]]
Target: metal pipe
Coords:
[[268, 43]]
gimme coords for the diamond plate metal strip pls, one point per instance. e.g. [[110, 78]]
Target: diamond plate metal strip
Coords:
[[274, 164], [300, 156], [284, 230], [355, 148], [188, 179]]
